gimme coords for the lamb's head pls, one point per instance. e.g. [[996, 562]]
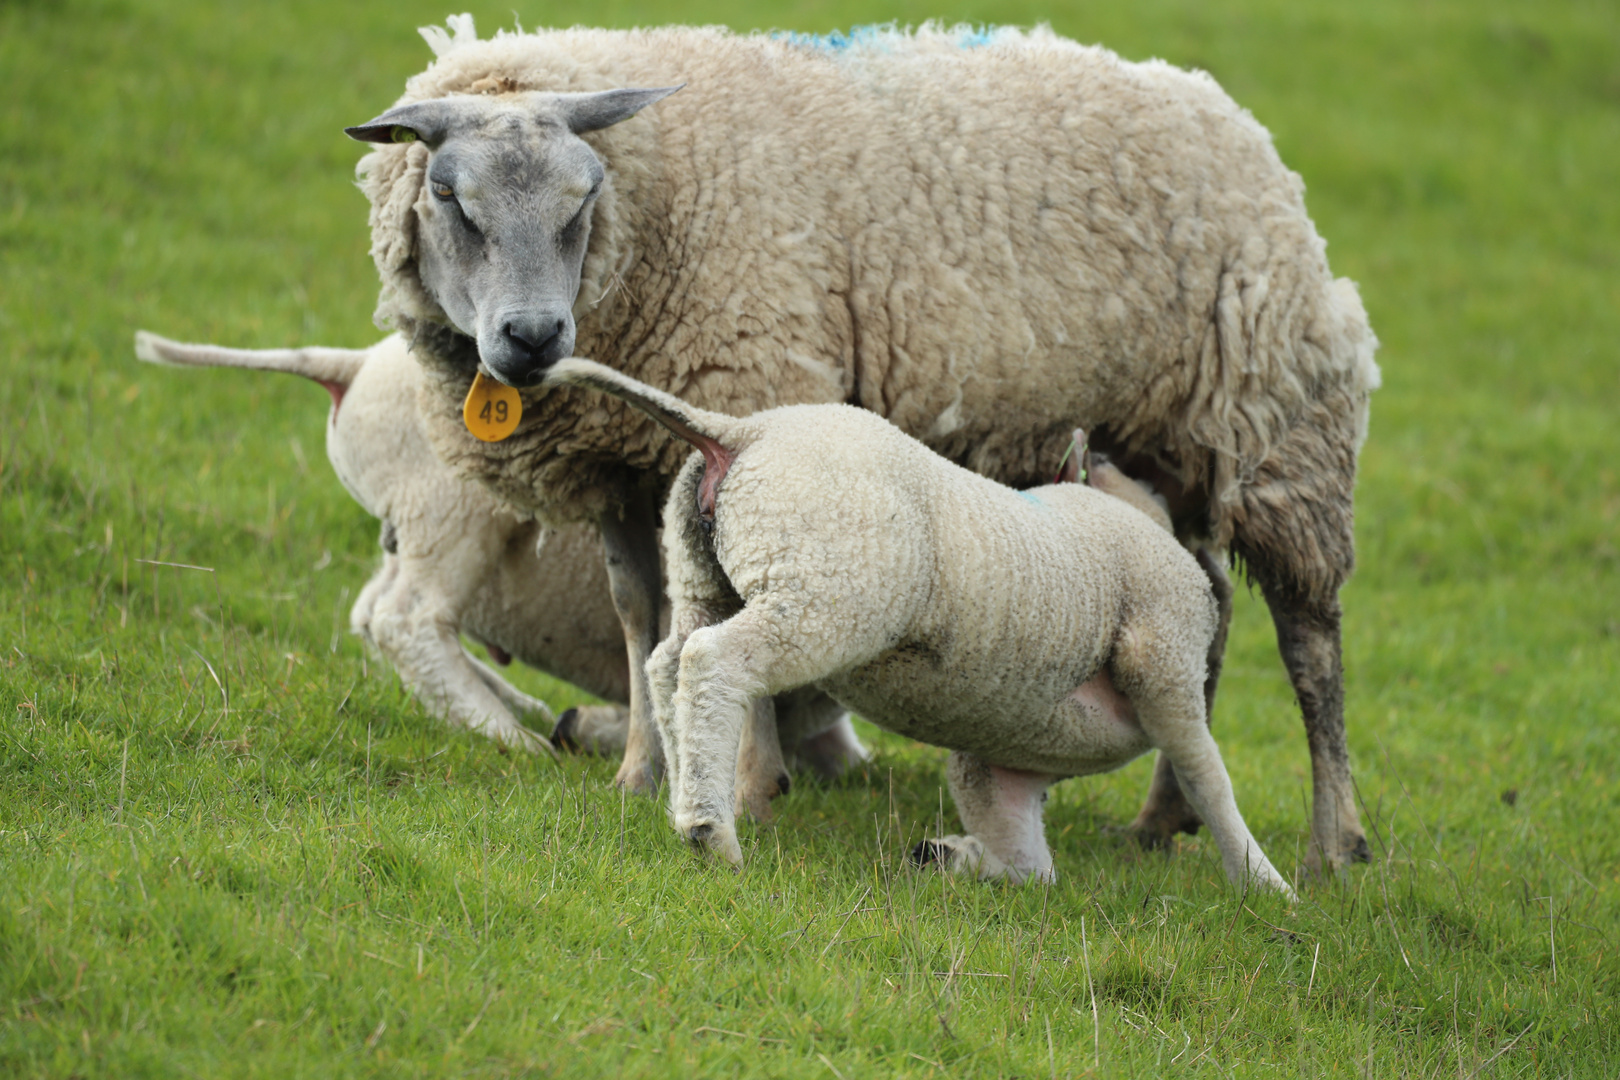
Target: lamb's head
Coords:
[[502, 229]]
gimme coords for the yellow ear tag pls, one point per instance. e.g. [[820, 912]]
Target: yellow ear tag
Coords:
[[492, 409]]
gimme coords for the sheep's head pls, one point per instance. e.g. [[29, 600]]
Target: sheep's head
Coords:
[[502, 228]]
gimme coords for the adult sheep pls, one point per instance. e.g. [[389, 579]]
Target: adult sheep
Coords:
[[990, 238]]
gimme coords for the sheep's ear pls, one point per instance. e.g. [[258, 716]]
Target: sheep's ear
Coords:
[[592, 112], [428, 121]]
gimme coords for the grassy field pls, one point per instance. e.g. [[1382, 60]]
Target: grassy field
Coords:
[[230, 845]]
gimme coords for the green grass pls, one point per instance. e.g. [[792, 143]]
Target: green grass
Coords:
[[232, 846]]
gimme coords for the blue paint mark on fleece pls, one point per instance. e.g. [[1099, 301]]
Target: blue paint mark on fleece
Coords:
[[837, 40], [1027, 497], [878, 35]]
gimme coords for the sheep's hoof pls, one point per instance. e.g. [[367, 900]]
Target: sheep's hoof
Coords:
[[639, 779], [784, 784], [1351, 850], [1155, 829], [564, 735], [929, 851]]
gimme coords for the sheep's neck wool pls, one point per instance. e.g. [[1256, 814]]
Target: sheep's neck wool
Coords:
[[492, 409]]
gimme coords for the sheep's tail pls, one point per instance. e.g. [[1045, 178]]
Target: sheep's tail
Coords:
[[334, 369], [708, 431]]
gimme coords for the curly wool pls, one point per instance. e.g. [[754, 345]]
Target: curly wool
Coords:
[[988, 238]]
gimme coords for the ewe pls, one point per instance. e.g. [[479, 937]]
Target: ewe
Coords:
[[989, 238]]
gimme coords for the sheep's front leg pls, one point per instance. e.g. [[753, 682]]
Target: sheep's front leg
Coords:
[[1001, 810], [630, 545]]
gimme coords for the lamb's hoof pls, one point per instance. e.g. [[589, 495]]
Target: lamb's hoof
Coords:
[[708, 840], [565, 735], [784, 784], [967, 855], [516, 737], [499, 655]]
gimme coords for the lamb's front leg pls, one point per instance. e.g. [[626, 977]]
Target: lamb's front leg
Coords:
[[723, 668], [629, 543], [1001, 810]]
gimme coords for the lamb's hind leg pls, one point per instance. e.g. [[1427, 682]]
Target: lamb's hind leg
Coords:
[[1001, 810], [1165, 690], [1166, 811]]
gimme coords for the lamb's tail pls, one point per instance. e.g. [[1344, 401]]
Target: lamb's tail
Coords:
[[711, 432], [334, 369]]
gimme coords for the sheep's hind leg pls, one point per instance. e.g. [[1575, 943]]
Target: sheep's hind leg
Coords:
[[1309, 642], [1295, 534], [1166, 811], [631, 549], [1001, 810]]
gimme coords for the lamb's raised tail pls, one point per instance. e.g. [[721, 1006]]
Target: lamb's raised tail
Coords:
[[334, 369], [715, 435]]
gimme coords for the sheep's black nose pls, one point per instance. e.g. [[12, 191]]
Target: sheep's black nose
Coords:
[[527, 344], [533, 340]]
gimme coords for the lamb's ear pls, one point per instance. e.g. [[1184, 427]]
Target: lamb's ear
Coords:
[[428, 121], [592, 112]]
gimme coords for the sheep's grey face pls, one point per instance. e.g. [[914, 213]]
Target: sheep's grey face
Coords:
[[502, 229]]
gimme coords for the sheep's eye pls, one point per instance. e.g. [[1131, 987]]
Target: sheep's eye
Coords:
[[443, 191]]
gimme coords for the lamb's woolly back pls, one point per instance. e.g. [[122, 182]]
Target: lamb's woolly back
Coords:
[[329, 367]]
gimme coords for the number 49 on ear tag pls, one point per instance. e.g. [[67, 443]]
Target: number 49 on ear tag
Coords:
[[492, 409]]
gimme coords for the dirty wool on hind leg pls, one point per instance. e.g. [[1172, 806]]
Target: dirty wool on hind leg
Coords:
[[1301, 550]]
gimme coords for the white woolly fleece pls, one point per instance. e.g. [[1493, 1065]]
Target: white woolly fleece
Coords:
[[987, 238]]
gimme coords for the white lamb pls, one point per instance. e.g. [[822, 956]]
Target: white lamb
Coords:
[[455, 561], [1039, 635]]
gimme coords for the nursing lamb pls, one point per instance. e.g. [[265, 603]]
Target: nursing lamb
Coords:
[[1038, 635], [456, 562], [989, 238]]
